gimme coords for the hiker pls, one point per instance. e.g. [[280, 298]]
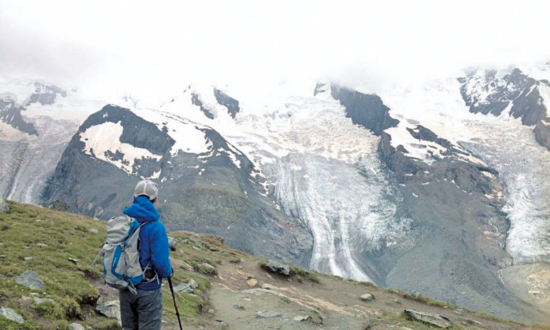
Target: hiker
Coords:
[[143, 310]]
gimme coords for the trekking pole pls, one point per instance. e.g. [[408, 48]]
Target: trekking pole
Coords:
[[174, 299]]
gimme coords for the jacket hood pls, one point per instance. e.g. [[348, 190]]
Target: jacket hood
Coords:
[[142, 210]]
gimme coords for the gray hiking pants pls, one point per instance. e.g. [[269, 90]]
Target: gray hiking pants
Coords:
[[141, 311]]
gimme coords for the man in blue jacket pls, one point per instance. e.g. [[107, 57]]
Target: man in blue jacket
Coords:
[[143, 310]]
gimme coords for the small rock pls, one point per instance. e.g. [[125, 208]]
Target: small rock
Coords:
[[211, 311], [187, 267], [252, 282], [4, 206], [11, 315], [40, 301], [266, 286], [188, 288], [225, 325], [76, 326], [93, 230], [459, 311], [439, 321], [268, 315], [58, 205], [73, 260], [302, 318], [207, 269], [41, 245], [3, 256], [110, 309], [275, 267], [241, 307], [472, 322], [367, 297], [173, 243], [28, 258], [31, 281]]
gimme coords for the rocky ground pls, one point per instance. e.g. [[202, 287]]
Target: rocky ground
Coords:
[[46, 282]]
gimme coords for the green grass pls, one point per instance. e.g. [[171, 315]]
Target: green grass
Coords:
[[51, 238], [426, 300]]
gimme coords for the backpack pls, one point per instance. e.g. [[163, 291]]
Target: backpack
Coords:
[[121, 267]]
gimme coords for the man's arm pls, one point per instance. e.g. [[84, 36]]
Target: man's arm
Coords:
[[160, 251]]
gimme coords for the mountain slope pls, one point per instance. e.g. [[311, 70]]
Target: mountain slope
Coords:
[[222, 298], [206, 184]]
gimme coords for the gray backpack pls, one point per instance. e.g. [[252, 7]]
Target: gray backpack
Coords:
[[121, 267]]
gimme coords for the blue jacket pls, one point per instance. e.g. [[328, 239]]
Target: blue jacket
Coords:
[[154, 250]]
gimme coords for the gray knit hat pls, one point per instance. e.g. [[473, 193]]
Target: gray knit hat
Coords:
[[146, 188]]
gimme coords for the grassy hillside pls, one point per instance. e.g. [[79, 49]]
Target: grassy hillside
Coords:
[[43, 241]]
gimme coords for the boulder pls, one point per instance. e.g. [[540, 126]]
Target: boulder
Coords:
[[76, 326], [186, 287], [110, 309], [367, 297], [302, 318], [276, 267], [268, 315], [207, 269], [31, 281], [11, 315], [3, 206], [439, 321], [173, 243]]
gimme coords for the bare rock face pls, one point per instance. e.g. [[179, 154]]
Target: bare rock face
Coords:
[[489, 92], [542, 132], [439, 321]]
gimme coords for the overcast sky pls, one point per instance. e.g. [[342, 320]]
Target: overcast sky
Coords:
[[159, 46]]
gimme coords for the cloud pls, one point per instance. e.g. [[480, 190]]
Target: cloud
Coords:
[[159, 47]]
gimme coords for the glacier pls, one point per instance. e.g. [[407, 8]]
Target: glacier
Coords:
[[500, 142]]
